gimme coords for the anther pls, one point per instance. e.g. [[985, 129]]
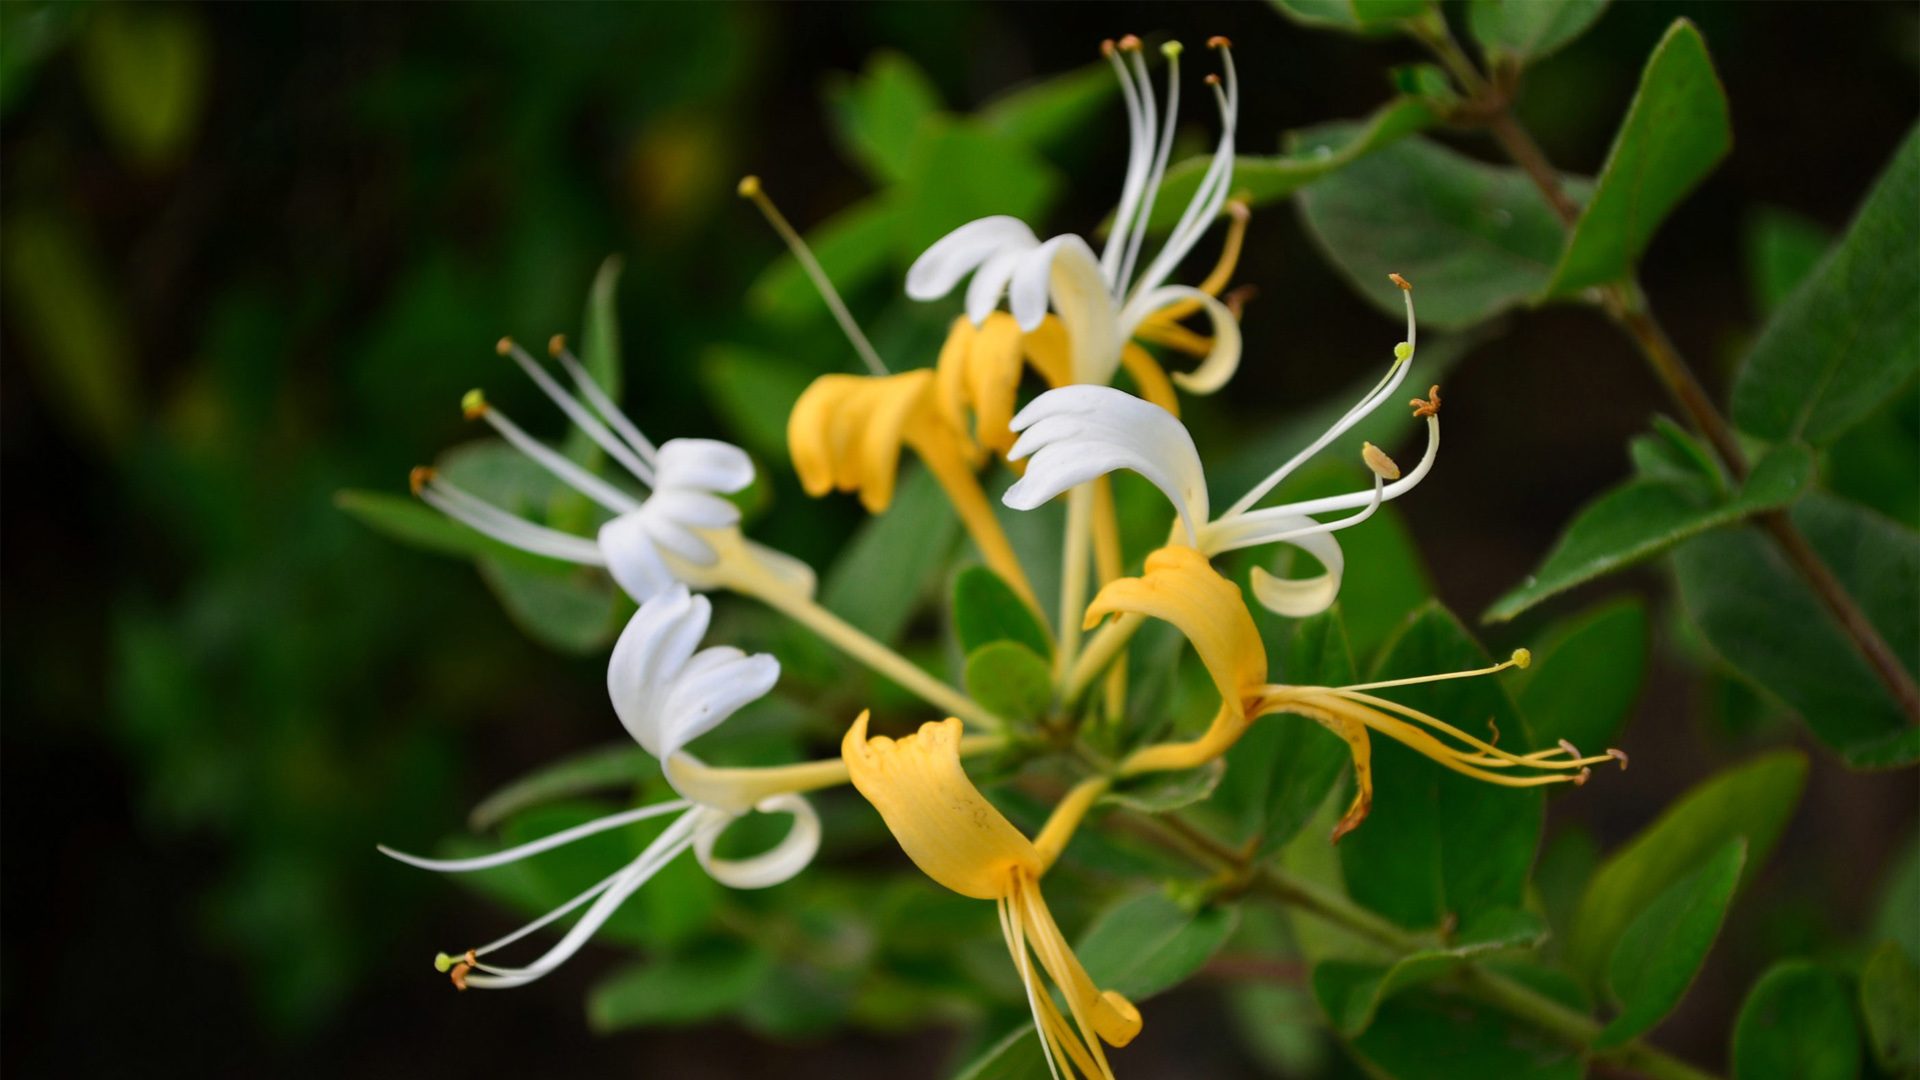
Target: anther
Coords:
[[420, 477], [1219, 41], [1429, 407], [1379, 462], [1106, 47], [1213, 80], [473, 405], [556, 345], [1400, 281], [1580, 781], [1130, 41], [1521, 658], [749, 187], [1495, 728], [1236, 299], [1172, 49], [1572, 750], [1619, 756]]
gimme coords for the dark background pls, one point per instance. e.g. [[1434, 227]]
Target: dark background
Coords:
[[219, 692]]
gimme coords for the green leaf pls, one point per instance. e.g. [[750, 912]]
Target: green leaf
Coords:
[[600, 333], [1783, 250], [1474, 239], [416, 525], [1281, 770], [960, 172], [1796, 1025], [1161, 792], [1264, 180], [1424, 1035], [145, 70], [1369, 17], [616, 765], [1584, 682], [1049, 112], [1018, 1056], [1010, 680], [1763, 618], [30, 35], [1147, 943], [576, 613], [1527, 31], [1644, 517], [878, 115], [854, 247], [674, 990], [986, 609], [882, 574], [1897, 909], [1850, 335], [1661, 950], [1676, 131], [1439, 844], [1753, 799], [82, 356], [1890, 1002], [1352, 992], [753, 392]]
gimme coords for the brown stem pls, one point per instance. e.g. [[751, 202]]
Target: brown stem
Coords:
[[1526, 153]]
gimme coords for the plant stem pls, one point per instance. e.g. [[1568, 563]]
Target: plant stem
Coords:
[[1073, 576]]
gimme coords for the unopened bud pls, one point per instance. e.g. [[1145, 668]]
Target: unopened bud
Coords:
[[1379, 462], [473, 405]]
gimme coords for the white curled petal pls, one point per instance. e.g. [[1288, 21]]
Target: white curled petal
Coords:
[[1299, 598], [1221, 362], [939, 268], [787, 858], [691, 508], [983, 292], [1085, 307], [1027, 291], [1072, 434], [708, 464], [711, 687], [649, 652], [627, 544]]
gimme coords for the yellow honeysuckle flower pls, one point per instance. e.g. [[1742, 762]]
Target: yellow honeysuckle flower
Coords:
[[980, 369], [960, 840]]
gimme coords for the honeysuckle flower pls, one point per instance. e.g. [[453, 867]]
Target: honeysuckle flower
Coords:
[[666, 694], [1073, 434], [962, 841], [684, 531], [1099, 300]]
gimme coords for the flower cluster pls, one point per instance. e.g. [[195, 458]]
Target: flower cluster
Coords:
[[1078, 320]]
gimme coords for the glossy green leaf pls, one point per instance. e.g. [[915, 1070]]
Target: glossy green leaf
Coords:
[[1850, 335], [1474, 239], [1281, 770], [1675, 132], [854, 247], [1010, 680], [1526, 31], [1159, 793], [1425, 1035], [1890, 1003], [1797, 1024], [674, 990], [1644, 517], [1753, 799], [1585, 680], [986, 609], [417, 525], [1352, 992], [883, 574], [1763, 618], [753, 392], [612, 766], [1783, 250], [878, 114], [1661, 950], [1264, 180], [960, 172], [145, 70], [78, 337], [1439, 844], [1018, 1056], [1369, 17], [1049, 112], [1147, 943]]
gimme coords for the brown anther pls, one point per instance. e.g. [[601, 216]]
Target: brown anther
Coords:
[[1495, 728], [1400, 281], [1238, 209], [459, 972], [1106, 47], [556, 345], [1219, 41], [1581, 780], [1572, 750], [1213, 80], [1130, 42], [1236, 299], [1427, 407], [504, 346], [1619, 756], [1379, 462], [420, 477]]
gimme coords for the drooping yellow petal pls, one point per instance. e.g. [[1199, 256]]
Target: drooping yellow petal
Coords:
[[1180, 586], [1050, 352], [1149, 377], [943, 823]]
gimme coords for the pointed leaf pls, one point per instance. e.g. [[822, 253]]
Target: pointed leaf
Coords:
[[1147, 943], [1010, 680], [986, 609], [1526, 31], [1676, 131], [878, 114], [1662, 949], [1369, 17], [1796, 1025], [1049, 112]]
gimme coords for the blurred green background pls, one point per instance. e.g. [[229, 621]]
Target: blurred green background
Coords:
[[252, 255]]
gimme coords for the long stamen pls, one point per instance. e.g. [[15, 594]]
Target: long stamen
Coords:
[[575, 411], [1139, 153], [1171, 50], [535, 847], [566, 469], [1211, 195], [750, 189], [1520, 659], [510, 529], [589, 389]]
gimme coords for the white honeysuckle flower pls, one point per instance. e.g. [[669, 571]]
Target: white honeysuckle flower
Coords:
[[680, 532], [1074, 433], [1098, 297], [666, 694]]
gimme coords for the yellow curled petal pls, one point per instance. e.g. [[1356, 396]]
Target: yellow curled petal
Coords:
[[1180, 586], [1050, 352], [952, 372], [943, 823], [1149, 377], [892, 402], [993, 379], [846, 431]]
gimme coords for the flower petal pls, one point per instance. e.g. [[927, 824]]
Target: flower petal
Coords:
[[1076, 433], [787, 858], [1301, 597], [939, 268], [708, 464], [983, 292], [636, 565], [1219, 364]]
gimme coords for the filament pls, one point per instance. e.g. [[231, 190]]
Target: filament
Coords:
[[750, 188]]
